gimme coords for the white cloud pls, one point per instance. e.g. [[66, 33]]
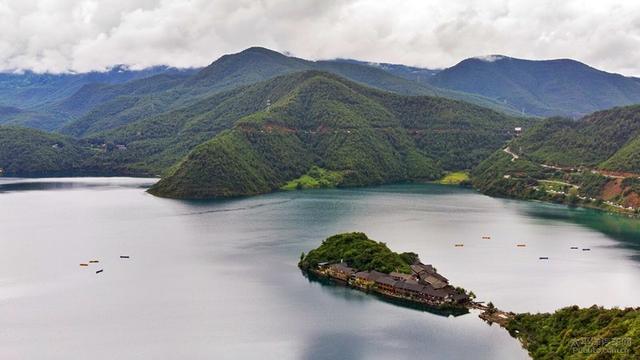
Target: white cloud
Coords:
[[62, 35]]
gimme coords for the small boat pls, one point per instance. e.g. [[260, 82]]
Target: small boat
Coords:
[[84, 264], [486, 237], [94, 261], [574, 248], [124, 256], [586, 249], [99, 271], [521, 245], [459, 245], [544, 258]]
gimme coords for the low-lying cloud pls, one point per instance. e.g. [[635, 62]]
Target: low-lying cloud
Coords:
[[70, 35]]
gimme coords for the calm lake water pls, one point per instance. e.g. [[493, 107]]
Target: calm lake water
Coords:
[[218, 280]]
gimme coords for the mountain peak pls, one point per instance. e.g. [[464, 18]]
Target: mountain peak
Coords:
[[490, 58], [261, 50]]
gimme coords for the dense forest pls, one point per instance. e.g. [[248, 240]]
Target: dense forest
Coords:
[[82, 104], [598, 140], [590, 162], [360, 252], [319, 119], [28, 152], [575, 333]]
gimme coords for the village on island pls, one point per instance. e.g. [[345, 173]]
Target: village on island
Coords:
[[355, 260], [424, 285]]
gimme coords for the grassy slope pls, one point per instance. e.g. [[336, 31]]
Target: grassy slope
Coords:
[[455, 178], [315, 178]]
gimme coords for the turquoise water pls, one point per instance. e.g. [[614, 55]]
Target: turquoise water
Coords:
[[218, 279]]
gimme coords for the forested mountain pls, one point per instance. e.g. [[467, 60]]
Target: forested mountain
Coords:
[[73, 104], [594, 159], [83, 104], [236, 70], [29, 152], [544, 88], [28, 89], [47, 101], [319, 119], [597, 140]]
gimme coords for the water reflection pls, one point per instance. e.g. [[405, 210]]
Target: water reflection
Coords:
[[624, 229], [218, 279], [350, 294], [22, 184]]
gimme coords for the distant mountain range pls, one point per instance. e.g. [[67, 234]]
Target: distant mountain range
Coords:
[[69, 102], [542, 88]]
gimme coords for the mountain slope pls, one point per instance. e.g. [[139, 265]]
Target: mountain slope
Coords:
[[594, 161], [544, 88], [48, 101], [30, 90], [232, 71], [588, 142], [368, 136], [29, 152]]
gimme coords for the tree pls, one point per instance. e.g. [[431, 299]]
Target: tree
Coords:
[[572, 199], [491, 308]]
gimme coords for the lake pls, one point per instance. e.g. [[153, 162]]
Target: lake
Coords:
[[218, 279]]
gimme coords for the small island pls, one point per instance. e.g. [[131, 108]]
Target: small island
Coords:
[[364, 264]]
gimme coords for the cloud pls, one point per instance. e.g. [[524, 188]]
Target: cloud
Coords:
[[71, 35]]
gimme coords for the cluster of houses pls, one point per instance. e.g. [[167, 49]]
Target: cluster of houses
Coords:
[[423, 285]]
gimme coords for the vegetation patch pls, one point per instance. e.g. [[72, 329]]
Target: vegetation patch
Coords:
[[315, 178], [359, 251], [575, 333], [455, 178]]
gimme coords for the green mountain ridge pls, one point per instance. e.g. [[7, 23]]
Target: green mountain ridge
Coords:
[[29, 152], [592, 141], [97, 106], [371, 137], [593, 161]]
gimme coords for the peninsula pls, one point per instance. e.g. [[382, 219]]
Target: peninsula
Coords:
[[364, 264]]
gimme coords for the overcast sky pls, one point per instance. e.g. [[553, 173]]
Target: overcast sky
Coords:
[[62, 35]]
